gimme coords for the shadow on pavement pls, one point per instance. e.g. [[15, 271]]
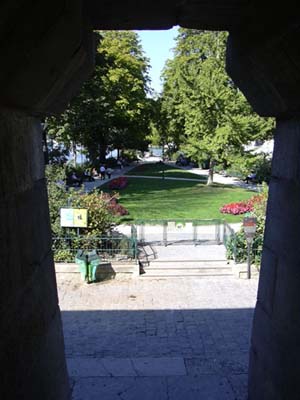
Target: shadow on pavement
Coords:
[[180, 354]]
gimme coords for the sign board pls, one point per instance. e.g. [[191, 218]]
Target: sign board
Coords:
[[249, 225], [73, 217]]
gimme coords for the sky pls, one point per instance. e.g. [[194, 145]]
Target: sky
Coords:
[[157, 46]]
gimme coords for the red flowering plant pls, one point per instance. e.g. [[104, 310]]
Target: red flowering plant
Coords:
[[242, 207], [116, 208], [113, 206], [118, 183]]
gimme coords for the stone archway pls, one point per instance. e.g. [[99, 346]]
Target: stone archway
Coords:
[[47, 52]]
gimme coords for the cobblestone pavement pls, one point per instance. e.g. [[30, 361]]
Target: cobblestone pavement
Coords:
[[160, 339]]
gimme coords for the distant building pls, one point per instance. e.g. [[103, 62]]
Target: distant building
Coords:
[[261, 147]]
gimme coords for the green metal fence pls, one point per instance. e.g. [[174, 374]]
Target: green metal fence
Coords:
[[111, 247], [229, 240], [180, 230], [236, 246]]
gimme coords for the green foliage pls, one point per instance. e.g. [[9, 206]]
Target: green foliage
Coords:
[[129, 155], [236, 245], [241, 165], [206, 114], [112, 108], [57, 195], [100, 218]]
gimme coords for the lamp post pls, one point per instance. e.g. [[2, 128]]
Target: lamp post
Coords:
[[163, 160], [249, 225]]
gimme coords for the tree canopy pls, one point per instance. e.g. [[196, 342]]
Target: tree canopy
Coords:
[[112, 108], [207, 115]]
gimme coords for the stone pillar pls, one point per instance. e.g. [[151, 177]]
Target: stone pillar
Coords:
[[275, 349], [267, 70], [32, 360]]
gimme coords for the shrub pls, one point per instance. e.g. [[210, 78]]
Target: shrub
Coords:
[[111, 162], [100, 219], [242, 207], [237, 243], [117, 209], [237, 208], [129, 155], [102, 209], [118, 183]]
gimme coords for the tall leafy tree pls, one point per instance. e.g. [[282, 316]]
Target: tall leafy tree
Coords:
[[112, 108], [208, 116]]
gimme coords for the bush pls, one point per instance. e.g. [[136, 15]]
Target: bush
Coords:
[[116, 208], [111, 162], [118, 183], [129, 155], [100, 219], [242, 207], [102, 210], [237, 243], [242, 165]]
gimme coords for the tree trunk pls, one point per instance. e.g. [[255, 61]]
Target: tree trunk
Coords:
[[74, 153], [210, 178], [103, 148]]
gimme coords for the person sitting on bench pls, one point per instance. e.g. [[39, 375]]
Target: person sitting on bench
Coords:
[[251, 177]]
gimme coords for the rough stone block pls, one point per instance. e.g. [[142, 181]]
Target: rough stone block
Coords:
[[286, 155], [41, 72], [267, 281], [267, 70]]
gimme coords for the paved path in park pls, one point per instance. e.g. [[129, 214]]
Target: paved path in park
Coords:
[[170, 339], [226, 180]]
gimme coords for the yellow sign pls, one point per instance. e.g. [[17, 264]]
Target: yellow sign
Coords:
[[73, 217]]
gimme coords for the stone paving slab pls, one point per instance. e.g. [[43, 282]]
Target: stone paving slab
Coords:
[[192, 334], [207, 387], [86, 367]]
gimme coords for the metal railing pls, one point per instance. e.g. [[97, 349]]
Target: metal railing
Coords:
[[110, 247], [229, 240], [236, 246], [183, 230]]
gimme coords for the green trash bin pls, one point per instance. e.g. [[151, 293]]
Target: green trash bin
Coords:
[[87, 262]]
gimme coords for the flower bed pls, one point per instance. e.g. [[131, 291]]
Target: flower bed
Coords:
[[116, 208], [241, 207], [118, 183]]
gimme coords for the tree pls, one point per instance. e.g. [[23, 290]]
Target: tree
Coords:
[[209, 118], [112, 108]]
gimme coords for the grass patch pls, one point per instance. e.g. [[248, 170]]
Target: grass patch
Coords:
[[157, 169], [167, 199]]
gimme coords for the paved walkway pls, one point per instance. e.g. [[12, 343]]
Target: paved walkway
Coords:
[[226, 180], [171, 339]]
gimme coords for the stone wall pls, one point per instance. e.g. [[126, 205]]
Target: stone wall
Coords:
[[46, 54], [275, 354], [31, 347]]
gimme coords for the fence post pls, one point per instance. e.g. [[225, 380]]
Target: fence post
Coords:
[[217, 231], [165, 234], [142, 232], [195, 233]]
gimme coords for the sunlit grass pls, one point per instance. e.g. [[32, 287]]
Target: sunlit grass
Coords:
[[157, 169], [168, 199]]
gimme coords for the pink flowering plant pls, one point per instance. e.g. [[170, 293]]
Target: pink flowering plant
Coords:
[[242, 207], [118, 183]]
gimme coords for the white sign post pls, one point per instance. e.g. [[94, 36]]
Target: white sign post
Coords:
[[249, 225]]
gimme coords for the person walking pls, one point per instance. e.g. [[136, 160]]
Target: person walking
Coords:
[[102, 172], [109, 172]]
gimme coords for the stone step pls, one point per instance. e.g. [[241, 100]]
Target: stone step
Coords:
[[167, 261], [187, 268], [174, 274]]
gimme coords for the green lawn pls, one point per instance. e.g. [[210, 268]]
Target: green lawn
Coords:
[[156, 169], [167, 199]]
